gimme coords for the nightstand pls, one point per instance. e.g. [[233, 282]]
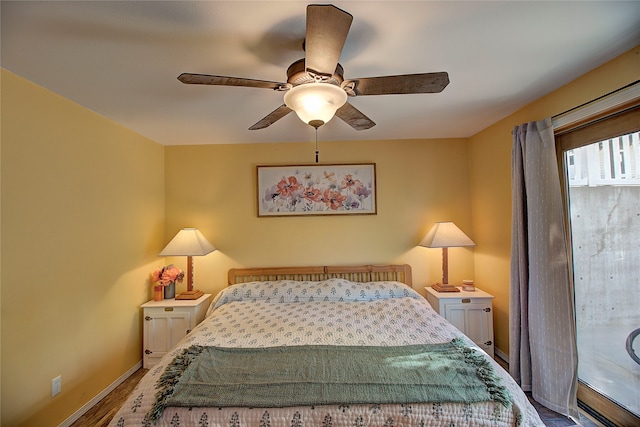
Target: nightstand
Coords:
[[471, 312], [168, 321]]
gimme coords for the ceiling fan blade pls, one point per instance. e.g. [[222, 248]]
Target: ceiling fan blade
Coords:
[[354, 117], [206, 79], [272, 117], [327, 29], [400, 84]]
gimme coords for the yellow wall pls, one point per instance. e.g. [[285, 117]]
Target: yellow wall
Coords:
[[490, 165], [418, 181], [82, 223]]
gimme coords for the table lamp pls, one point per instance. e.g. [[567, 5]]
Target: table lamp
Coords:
[[188, 242], [445, 235]]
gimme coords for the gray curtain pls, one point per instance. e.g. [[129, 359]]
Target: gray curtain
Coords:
[[542, 352]]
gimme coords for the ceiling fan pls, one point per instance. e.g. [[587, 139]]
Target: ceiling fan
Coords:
[[316, 88]]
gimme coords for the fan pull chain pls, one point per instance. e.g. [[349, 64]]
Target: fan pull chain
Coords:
[[317, 152], [316, 124]]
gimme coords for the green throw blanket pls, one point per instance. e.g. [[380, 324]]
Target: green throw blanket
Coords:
[[323, 375]]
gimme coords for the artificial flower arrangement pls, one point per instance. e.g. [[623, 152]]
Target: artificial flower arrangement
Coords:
[[165, 276]]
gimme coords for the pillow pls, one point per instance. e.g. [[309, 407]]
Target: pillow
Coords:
[[291, 291]]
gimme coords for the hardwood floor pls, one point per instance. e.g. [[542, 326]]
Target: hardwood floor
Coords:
[[102, 413]]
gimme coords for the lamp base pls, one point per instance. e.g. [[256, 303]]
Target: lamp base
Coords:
[[445, 287], [194, 294]]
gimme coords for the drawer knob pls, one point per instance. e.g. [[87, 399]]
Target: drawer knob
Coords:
[[488, 309], [488, 343], [148, 352], [147, 318]]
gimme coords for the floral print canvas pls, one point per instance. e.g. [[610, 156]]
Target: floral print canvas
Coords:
[[316, 190]]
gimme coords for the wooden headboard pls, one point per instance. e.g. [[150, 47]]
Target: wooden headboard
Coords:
[[357, 273]]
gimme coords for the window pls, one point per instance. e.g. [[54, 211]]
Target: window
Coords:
[[601, 169]]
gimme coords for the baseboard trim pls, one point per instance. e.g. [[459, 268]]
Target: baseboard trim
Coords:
[[91, 403], [502, 356]]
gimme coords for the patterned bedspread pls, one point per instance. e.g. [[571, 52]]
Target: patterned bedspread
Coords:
[[331, 312]]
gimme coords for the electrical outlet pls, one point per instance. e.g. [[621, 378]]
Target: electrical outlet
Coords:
[[56, 385]]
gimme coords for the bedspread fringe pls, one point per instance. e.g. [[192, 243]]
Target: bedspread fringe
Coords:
[[170, 378], [486, 372]]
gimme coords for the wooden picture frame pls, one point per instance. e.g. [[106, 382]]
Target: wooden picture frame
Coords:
[[317, 189]]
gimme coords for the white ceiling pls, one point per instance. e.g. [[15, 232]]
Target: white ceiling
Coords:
[[121, 59]]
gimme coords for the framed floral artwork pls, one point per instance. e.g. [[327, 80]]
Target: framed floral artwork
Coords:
[[331, 189]]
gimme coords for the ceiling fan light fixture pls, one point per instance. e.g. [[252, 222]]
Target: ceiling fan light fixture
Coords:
[[315, 102], [319, 75]]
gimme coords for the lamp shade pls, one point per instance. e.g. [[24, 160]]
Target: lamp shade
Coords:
[[446, 235], [315, 101], [188, 242]]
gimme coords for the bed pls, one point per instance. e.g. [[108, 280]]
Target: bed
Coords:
[[325, 346]]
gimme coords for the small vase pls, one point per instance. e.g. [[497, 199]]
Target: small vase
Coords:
[[158, 294], [170, 291]]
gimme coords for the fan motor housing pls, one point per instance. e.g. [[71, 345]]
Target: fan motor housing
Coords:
[[297, 74]]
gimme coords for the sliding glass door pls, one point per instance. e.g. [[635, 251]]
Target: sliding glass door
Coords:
[[603, 201]]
